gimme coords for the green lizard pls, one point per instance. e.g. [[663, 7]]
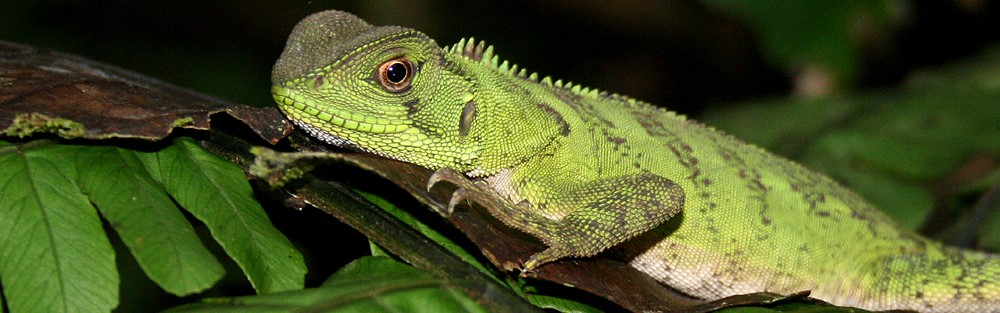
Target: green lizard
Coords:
[[585, 170]]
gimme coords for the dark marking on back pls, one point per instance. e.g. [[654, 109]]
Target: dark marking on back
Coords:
[[806, 183], [564, 127], [616, 140], [764, 220], [753, 178]]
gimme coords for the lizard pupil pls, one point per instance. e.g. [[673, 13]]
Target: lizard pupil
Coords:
[[395, 75]]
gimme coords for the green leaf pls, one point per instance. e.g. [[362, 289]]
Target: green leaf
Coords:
[[373, 267], [54, 254], [811, 33], [377, 250], [368, 284], [560, 304], [217, 193], [136, 206], [990, 232]]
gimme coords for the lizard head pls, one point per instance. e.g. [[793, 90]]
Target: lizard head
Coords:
[[382, 90]]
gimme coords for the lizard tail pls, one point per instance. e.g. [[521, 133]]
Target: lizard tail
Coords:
[[939, 279]]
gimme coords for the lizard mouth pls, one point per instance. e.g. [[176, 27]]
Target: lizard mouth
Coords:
[[309, 111]]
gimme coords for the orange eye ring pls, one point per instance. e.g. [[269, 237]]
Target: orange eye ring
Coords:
[[396, 75]]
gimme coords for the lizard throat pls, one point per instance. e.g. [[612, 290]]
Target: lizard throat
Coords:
[[328, 137]]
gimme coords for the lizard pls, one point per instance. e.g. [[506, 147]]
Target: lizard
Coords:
[[584, 170]]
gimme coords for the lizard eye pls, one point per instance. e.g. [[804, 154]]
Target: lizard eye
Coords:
[[396, 74]]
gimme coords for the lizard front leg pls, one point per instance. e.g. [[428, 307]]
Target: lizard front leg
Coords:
[[599, 214]]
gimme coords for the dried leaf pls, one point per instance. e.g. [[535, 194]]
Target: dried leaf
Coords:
[[42, 91]]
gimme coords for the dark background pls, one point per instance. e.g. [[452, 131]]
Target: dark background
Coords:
[[680, 54], [684, 55]]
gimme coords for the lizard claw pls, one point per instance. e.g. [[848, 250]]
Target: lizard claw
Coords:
[[445, 174], [434, 179], [456, 178], [525, 271], [458, 196]]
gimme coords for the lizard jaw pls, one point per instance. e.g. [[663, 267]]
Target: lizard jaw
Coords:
[[324, 118]]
